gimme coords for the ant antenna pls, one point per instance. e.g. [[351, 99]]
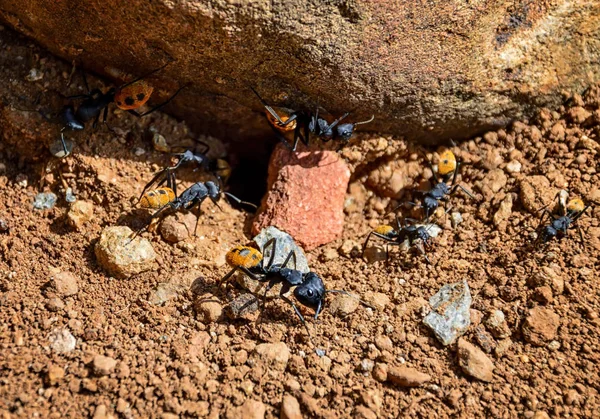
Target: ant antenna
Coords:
[[365, 122], [239, 201]]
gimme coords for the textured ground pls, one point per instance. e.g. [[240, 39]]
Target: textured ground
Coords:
[[170, 358]]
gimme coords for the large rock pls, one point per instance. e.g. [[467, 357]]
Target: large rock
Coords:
[[439, 70], [306, 196]]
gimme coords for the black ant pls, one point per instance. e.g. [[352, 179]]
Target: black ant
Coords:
[[441, 190], [219, 167], [560, 224], [194, 196], [309, 289], [409, 234], [305, 123]]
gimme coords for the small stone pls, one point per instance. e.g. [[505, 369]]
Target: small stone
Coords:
[[208, 308], [120, 255], [454, 397], [350, 248], [367, 365], [55, 374], [540, 326], [343, 305], [160, 143], [65, 283], [540, 414], [504, 211], [513, 166], [536, 192], [80, 213], [384, 343], [377, 300], [407, 377], [70, 196], [55, 304], [548, 276], [363, 412], [138, 151], [62, 341], [493, 182], [306, 189], [34, 75], [290, 408], [251, 409], [456, 218], [578, 114], [450, 317], [178, 227], [474, 362], [242, 307], [104, 365], [164, 292], [484, 339], [503, 346], [271, 355], [329, 255], [588, 144], [491, 137], [496, 324], [44, 201], [380, 372], [543, 295]]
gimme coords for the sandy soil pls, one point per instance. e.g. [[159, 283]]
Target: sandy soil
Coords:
[[170, 361]]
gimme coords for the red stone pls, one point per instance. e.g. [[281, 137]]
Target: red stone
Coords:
[[306, 196]]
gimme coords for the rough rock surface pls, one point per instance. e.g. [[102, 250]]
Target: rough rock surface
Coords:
[[425, 70], [121, 256], [450, 317], [313, 218]]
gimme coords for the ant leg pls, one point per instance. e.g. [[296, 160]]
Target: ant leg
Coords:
[[152, 183], [422, 251], [281, 138], [273, 243], [157, 107], [272, 111], [291, 255], [239, 268], [381, 236], [290, 302], [435, 178], [146, 75], [465, 190], [104, 118], [64, 144], [238, 200]]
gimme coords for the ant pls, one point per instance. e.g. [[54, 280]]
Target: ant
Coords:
[[309, 289], [410, 234], [219, 167], [309, 123], [559, 225], [448, 164], [194, 196]]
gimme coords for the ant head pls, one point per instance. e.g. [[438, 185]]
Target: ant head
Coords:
[[423, 233], [311, 292], [214, 192], [344, 131]]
